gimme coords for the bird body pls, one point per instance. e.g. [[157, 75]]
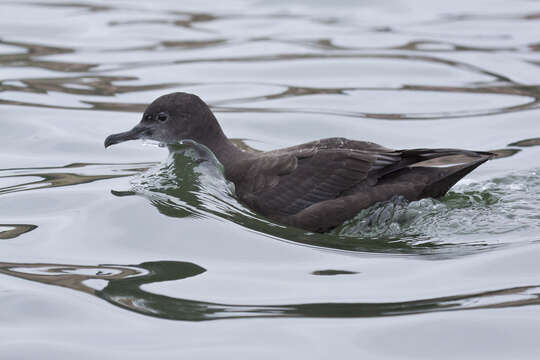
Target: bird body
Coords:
[[315, 186]]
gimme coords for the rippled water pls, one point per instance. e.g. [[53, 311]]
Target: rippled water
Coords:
[[102, 249]]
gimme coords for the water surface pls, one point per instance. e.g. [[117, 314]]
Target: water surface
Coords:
[[135, 252]]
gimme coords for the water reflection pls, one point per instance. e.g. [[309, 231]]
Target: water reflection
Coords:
[[105, 86], [33, 54], [121, 285], [75, 5], [68, 175], [503, 153], [11, 231], [526, 142], [83, 85], [333, 272], [194, 51]]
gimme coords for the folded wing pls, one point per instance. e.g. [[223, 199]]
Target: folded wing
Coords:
[[287, 181]]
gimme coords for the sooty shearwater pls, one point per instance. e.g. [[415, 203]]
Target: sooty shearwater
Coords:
[[314, 186]]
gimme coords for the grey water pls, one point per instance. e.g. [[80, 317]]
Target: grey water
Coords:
[[141, 252]]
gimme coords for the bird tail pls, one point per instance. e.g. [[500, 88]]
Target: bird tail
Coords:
[[446, 177]]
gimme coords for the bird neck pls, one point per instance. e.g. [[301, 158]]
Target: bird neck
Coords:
[[228, 154]]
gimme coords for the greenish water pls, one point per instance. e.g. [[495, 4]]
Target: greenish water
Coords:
[[137, 252]]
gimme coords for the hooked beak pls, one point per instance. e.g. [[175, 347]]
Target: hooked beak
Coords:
[[138, 132]]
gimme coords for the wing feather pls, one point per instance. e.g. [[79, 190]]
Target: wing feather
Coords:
[[318, 174]]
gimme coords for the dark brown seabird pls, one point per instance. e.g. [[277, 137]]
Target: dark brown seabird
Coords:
[[314, 186]]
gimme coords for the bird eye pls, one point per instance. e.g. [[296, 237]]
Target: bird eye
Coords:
[[162, 117], [148, 117]]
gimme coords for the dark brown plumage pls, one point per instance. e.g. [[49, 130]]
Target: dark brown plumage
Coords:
[[314, 186]]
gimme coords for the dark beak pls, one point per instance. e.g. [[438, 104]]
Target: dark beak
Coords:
[[138, 132]]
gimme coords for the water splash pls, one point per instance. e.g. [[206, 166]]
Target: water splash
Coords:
[[471, 213]]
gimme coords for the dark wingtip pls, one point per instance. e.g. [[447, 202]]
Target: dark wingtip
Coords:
[[482, 154], [489, 154]]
